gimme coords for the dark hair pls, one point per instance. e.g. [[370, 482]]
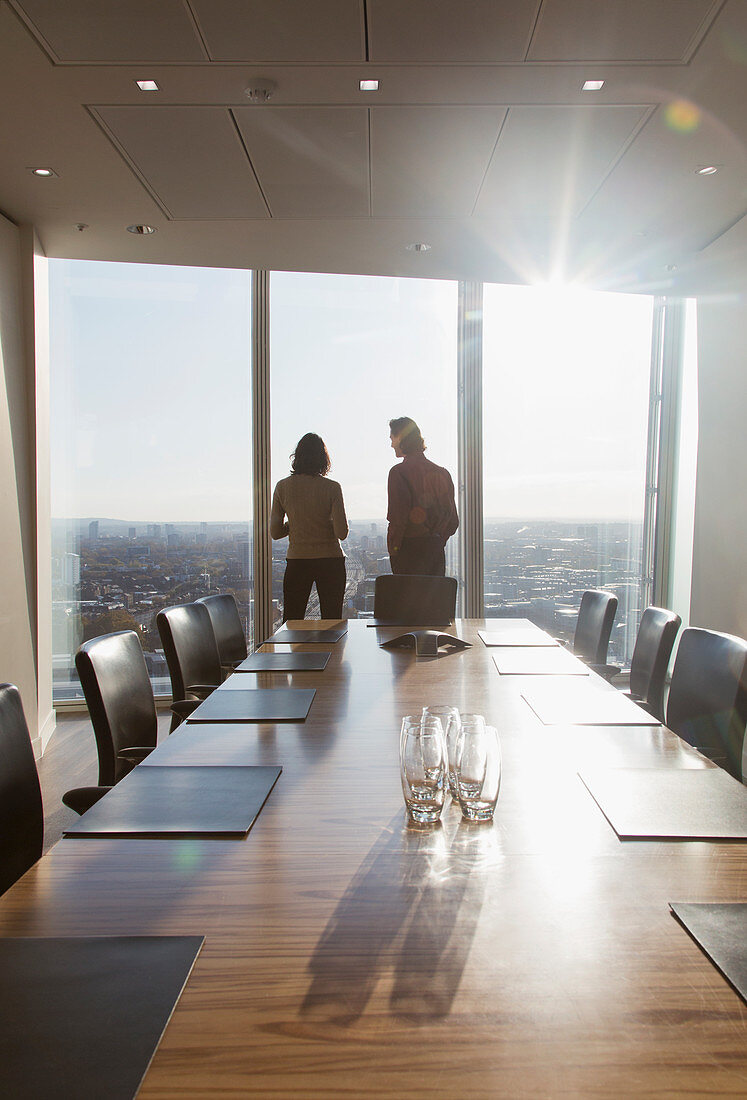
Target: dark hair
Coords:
[[410, 440], [310, 456]]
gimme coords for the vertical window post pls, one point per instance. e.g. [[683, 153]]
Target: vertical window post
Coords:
[[469, 447], [262, 547]]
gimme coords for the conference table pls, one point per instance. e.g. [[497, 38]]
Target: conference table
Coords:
[[349, 953]]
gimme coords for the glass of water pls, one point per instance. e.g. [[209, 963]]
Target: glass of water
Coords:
[[478, 771], [422, 756], [451, 722]]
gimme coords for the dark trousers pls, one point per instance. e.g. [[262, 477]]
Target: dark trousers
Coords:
[[301, 573], [421, 557]]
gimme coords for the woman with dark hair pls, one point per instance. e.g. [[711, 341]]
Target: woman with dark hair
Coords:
[[315, 526]]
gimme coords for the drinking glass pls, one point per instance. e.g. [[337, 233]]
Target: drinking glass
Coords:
[[423, 767], [451, 722], [453, 746], [478, 772]]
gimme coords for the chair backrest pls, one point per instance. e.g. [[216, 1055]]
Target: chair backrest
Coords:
[[189, 647], [707, 703], [594, 625], [414, 600], [651, 653], [119, 695], [229, 633], [21, 813]]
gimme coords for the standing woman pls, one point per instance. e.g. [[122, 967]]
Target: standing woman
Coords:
[[315, 526]]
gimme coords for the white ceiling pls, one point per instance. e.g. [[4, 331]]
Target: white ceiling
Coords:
[[479, 142]]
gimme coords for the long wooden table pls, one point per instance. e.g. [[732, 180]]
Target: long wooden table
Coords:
[[348, 954]]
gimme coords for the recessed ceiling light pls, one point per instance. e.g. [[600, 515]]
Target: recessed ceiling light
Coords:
[[147, 85], [418, 246], [141, 230], [368, 85], [707, 170], [45, 172], [592, 85]]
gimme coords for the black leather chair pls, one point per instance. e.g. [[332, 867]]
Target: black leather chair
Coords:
[[594, 626], [707, 704], [648, 666], [411, 600], [229, 633], [119, 696], [21, 810], [191, 653]]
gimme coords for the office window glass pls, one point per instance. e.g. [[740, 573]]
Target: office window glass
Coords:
[[566, 400], [150, 448], [348, 354]]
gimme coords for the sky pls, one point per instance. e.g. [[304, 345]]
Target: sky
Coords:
[[151, 409]]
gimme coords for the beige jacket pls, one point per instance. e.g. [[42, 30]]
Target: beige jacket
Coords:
[[316, 521]]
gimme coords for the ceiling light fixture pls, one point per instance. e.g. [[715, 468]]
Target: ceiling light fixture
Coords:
[[260, 90], [141, 230], [707, 170], [418, 246], [368, 85], [44, 172], [147, 85], [592, 86]]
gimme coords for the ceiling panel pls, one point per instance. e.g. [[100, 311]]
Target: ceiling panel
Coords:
[[312, 162], [110, 30], [430, 161], [190, 157], [282, 30], [470, 30], [619, 30], [550, 160]]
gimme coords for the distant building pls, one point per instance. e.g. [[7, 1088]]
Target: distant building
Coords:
[[133, 532], [93, 530]]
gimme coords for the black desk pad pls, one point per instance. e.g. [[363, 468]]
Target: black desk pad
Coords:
[[530, 636], [255, 705], [81, 1018], [284, 662], [577, 702], [674, 804], [720, 931], [333, 634], [537, 661], [431, 623], [177, 801]]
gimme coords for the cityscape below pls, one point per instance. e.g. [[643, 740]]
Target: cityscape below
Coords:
[[110, 575]]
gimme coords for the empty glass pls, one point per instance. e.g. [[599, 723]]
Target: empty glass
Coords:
[[423, 767], [451, 722], [478, 771]]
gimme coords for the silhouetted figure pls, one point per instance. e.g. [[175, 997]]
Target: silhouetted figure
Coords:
[[315, 526], [422, 513]]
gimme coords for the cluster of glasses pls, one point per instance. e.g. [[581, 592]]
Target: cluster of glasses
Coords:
[[441, 748]]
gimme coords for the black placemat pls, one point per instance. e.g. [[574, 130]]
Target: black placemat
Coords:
[[81, 1018], [720, 931], [284, 662], [676, 804], [330, 636], [255, 705], [577, 702], [537, 661], [180, 801]]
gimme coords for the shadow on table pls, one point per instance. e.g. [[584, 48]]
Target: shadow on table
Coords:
[[408, 917]]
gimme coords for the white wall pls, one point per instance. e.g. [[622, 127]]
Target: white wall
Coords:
[[719, 583], [18, 626]]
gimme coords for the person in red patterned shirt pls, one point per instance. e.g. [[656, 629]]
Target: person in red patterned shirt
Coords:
[[422, 512]]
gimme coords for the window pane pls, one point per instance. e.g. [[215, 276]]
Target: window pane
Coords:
[[150, 444], [566, 381], [348, 354]]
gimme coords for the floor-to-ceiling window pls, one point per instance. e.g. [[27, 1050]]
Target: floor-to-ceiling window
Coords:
[[348, 354], [150, 447], [566, 399]]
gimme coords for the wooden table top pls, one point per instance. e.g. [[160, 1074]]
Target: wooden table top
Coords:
[[348, 954]]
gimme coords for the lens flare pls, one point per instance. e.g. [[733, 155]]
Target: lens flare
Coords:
[[682, 116]]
